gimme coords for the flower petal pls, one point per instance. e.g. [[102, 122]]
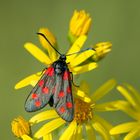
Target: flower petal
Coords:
[[135, 133], [48, 137], [104, 89], [38, 53], [109, 106], [76, 47], [90, 132], [52, 53], [81, 94], [79, 132], [135, 94], [129, 96], [82, 57], [123, 128], [69, 131], [127, 108], [30, 80], [49, 127], [84, 68], [101, 130], [106, 124], [84, 86], [26, 137], [49, 114]]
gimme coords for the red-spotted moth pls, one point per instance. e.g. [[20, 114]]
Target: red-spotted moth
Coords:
[[54, 88]]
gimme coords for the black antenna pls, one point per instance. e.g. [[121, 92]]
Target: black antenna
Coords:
[[81, 51], [49, 42]]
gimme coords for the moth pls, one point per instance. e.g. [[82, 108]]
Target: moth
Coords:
[[53, 88]]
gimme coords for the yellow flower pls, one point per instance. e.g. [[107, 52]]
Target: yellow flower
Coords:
[[132, 108], [21, 128], [79, 24], [75, 62], [102, 49], [85, 116]]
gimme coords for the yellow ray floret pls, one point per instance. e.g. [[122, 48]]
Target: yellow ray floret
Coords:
[[37, 53], [49, 127]]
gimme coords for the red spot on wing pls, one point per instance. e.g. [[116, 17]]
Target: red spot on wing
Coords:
[[41, 83], [62, 109], [45, 90], [61, 94], [49, 71], [68, 89], [53, 90], [37, 103], [66, 75], [69, 105], [34, 96]]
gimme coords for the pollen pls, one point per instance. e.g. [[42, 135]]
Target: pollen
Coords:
[[83, 111]]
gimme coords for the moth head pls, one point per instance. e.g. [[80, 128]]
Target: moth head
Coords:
[[63, 57]]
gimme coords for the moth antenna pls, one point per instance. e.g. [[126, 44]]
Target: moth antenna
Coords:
[[49, 42], [81, 51]]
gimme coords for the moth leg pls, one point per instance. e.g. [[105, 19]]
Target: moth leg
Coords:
[[41, 72], [72, 80]]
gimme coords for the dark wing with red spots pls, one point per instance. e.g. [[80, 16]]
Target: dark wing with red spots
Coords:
[[63, 99], [42, 92]]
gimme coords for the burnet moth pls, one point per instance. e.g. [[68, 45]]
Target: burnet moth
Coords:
[[54, 88]]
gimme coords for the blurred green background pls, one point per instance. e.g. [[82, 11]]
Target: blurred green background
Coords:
[[117, 21]]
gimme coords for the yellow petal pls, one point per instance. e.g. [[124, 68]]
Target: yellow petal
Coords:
[[86, 26], [84, 68], [48, 137], [109, 106], [135, 94], [134, 134], [81, 94], [26, 137], [49, 127], [38, 53], [69, 131], [104, 89], [101, 130], [126, 94], [49, 114], [90, 132], [76, 47], [52, 53], [127, 108], [79, 132], [30, 80], [123, 128], [84, 86], [106, 124], [82, 57]]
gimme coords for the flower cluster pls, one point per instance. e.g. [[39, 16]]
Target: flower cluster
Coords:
[[87, 124]]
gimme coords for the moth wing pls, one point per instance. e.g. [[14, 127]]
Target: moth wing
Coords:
[[63, 99], [42, 92]]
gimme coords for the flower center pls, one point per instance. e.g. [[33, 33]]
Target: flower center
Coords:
[[83, 111]]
